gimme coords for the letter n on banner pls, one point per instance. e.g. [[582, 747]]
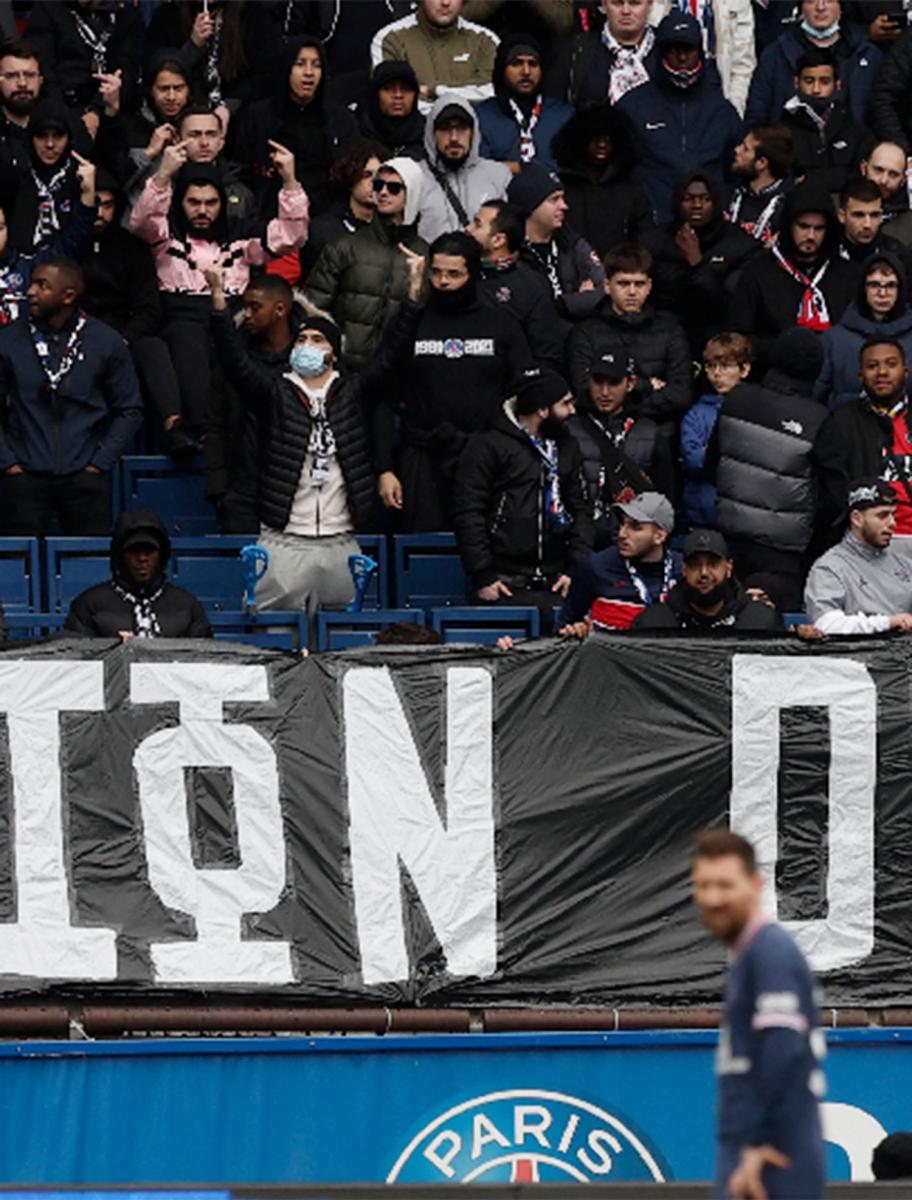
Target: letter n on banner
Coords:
[[217, 898], [42, 942], [393, 818], [763, 685]]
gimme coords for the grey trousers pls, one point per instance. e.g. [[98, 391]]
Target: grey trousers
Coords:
[[306, 571]]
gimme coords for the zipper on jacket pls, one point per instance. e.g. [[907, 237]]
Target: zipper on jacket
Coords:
[[500, 511], [541, 515]]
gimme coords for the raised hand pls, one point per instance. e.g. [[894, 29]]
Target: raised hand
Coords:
[[417, 265], [109, 86], [284, 163], [85, 173], [172, 159], [203, 29], [163, 136]]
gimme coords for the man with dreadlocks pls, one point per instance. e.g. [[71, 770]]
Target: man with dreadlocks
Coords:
[[137, 601], [182, 214]]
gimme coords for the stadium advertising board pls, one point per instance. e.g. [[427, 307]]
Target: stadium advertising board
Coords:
[[488, 1108], [447, 825]]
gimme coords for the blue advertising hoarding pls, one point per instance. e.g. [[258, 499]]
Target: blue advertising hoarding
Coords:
[[445, 1108]]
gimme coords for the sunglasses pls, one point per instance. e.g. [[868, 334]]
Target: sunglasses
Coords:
[[390, 185]]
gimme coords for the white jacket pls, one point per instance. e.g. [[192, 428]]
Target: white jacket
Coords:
[[735, 53]]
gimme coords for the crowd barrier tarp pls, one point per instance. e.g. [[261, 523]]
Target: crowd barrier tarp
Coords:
[[419, 1111], [447, 825]]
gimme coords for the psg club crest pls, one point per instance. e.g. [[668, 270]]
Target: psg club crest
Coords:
[[526, 1136], [453, 348]]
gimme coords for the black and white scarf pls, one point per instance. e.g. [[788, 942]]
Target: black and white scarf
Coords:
[[145, 622], [96, 39], [321, 444], [628, 68], [526, 123], [71, 352], [213, 77], [47, 222]]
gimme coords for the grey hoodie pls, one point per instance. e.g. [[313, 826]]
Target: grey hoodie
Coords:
[[476, 181], [854, 588]]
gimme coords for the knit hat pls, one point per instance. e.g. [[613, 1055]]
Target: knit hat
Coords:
[[328, 328], [533, 184], [393, 69], [410, 173], [892, 1158], [679, 29], [798, 353], [539, 387]]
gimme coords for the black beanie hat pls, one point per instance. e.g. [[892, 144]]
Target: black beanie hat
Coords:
[[892, 1158], [539, 387], [798, 353], [328, 328], [533, 184]]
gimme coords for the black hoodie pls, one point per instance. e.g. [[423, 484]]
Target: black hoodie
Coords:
[[612, 208], [103, 612], [768, 298], [315, 133], [61, 178], [700, 295], [400, 135]]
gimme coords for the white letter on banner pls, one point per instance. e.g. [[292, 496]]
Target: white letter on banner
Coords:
[[761, 687], [393, 817], [217, 899], [42, 942]]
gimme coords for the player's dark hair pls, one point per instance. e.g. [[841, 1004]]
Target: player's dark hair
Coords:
[[859, 188], [720, 843], [509, 220], [273, 286], [627, 258], [874, 340], [407, 633], [817, 56], [776, 145]]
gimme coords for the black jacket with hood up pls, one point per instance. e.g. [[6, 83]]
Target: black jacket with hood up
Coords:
[[401, 135], [314, 133], [768, 298], [612, 208], [699, 295], [100, 612]]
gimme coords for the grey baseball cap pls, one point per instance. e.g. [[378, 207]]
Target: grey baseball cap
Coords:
[[649, 506]]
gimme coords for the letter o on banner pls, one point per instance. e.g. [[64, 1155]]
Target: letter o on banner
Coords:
[[217, 899], [762, 685]]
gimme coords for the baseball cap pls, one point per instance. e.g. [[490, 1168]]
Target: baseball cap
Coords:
[[610, 365], [870, 493], [649, 506], [142, 537], [452, 112], [705, 541]]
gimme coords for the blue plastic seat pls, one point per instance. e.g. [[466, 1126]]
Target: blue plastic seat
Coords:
[[377, 594], [175, 492], [485, 625], [20, 575], [269, 630], [429, 571], [71, 565], [347, 630], [210, 567], [22, 626]]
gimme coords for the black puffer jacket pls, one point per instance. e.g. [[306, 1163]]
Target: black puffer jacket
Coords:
[[700, 295], [827, 155], [361, 280], [768, 298], [498, 507], [891, 113], [765, 480], [607, 207], [101, 612], [285, 430], [654, 341], [739, 613]]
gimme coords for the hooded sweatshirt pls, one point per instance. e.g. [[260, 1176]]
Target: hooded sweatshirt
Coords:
[[770, 297], [838, 382], [700, 294], [46, 196], [401, 135], [451, 197], [507, 116], [154, 609], [314, 133]]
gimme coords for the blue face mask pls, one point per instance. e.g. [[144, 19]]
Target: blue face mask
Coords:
[[307, 360], [819, 34]]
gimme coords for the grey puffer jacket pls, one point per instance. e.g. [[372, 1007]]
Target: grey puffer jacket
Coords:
[[765, 489], [476, 181], [361, 280]]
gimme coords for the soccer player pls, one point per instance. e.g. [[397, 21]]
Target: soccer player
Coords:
[[770, 1048]]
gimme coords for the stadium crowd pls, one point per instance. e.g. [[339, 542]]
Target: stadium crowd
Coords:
[[617, 291]]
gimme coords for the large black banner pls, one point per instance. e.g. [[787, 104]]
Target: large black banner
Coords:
[[454, 825]]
